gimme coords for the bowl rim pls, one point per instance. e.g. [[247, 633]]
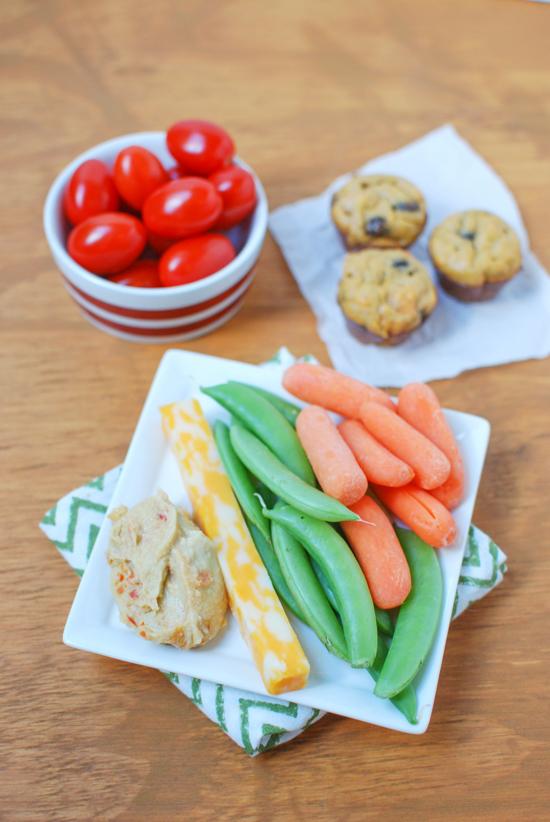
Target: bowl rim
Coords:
[[248, 252]]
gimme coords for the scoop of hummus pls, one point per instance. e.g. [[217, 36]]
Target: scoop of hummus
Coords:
[[165, 574]]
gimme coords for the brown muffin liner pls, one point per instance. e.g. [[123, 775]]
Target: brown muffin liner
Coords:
[[470, 293], [369, 338]]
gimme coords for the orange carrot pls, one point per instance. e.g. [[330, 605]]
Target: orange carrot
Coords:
[[430, 465], [379, 464], [422, 512], [332, 461], [331, 390], [379, 554], [451, 493], [419, 405]]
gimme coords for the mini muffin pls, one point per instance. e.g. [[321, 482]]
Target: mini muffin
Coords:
[[385, 295], [475, 254], [378, 211]]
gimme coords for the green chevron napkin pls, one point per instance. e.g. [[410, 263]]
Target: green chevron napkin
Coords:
[[256, 723]]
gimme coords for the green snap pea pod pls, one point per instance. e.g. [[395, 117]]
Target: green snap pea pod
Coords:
[[344, 575], [266, 422], [383, 619], [304, 585], [269, 559], [270, 470], [405, 701], [268, 497], [288, 409], [417, 620], [239, 479], [323, 581]]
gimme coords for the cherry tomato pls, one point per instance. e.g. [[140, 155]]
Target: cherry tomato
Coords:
[[143, 274], [194, 259], [107, 243], [176, 172], [238, 192], [137, 174], [182, 208], [90, 191], [199, 146]]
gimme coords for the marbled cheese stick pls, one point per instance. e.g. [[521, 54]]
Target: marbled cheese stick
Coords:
[[263, 622]]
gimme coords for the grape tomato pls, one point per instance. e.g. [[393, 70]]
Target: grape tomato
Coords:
[[238, 192], [143, 274], [182, 208], [107, 243], [138, 172], [199, 146], [90, 191], [195, 258]]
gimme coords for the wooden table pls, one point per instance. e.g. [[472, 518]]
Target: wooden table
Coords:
[[310, 90]]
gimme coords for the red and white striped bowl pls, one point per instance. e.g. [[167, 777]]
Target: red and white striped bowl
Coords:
[[155, 314]]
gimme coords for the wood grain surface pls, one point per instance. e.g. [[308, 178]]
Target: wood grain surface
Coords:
[[310, 89]]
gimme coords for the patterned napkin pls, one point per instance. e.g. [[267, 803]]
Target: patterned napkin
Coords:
[[256, 723]]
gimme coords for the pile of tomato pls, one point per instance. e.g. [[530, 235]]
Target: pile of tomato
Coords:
[[144, 225]]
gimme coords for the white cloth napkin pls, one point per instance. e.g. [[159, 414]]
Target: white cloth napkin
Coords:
[[458, 336]]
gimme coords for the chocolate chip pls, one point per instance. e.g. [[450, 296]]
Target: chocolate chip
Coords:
[[376, 226], [401, 263], [408, 206], [467, 235]]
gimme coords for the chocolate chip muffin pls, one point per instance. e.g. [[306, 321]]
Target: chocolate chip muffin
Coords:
[[475, 254], [385, 295], [378, 211]]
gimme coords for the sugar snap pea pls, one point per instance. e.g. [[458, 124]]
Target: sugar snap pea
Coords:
[[239, 479], [304, 585], [405, 701], [384, 622], [266, 422], [287, 409], [261, 462], [323, 581], [417, 620], [383, 619], [345, 578], [269, 559]]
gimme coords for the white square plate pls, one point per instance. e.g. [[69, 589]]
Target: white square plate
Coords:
[[93, 623]]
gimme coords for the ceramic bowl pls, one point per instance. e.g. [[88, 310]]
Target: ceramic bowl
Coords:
[[155, 314]]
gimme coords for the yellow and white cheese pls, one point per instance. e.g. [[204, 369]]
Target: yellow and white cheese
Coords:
[[263, 622]]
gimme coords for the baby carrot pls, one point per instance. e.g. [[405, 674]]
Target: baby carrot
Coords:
[[422, 512], [419, 405], [332, 461], [331, 390], [450, 494], [379, 464], [377, 549], [430, 465]]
